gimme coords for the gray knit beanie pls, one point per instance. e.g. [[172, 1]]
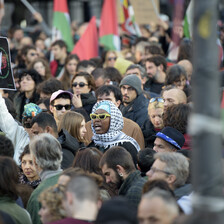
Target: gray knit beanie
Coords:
[[133, 81]]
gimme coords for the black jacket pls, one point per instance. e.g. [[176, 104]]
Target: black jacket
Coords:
[[153, 86], [136, 110], [70, 147], [149, 133], [88, 101]]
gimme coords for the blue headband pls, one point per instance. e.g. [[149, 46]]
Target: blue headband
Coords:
[[104, 106], [168, 139]]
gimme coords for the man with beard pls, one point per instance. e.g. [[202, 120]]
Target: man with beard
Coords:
[[119, 170], [134, 104], [156, 70]]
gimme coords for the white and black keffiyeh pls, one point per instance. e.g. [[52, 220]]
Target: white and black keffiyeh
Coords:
[[114, 136]]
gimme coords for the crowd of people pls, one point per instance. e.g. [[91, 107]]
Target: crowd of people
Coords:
[[84, 142]]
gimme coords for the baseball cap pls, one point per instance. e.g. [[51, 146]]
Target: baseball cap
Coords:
[[59, 92]]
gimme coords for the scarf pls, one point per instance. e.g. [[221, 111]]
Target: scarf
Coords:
[[114, 135]]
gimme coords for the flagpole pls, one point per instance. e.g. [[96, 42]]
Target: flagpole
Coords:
[[155, 8], [205, 123]]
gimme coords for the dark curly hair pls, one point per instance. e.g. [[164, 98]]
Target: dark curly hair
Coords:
[[176, 116]]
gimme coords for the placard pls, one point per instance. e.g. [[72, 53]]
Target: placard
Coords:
[[146, 11], [6, 75]]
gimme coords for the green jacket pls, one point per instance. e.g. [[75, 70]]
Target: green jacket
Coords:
[[19, 215], [34, 206]]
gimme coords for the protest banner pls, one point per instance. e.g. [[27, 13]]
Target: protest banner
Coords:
[[6, 75], [146, 11]]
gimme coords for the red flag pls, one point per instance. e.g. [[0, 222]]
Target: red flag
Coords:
[[87, 46], [60, 6]]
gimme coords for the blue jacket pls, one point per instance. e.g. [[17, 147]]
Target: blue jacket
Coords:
[[136, 110]]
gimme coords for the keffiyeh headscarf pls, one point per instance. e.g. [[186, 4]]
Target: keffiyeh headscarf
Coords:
[[114, 135]]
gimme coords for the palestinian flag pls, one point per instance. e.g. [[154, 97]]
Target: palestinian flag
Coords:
[[108, 30], [61, 23], [188, 20]]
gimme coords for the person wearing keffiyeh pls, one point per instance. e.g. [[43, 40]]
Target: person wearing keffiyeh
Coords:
[[107, 123]]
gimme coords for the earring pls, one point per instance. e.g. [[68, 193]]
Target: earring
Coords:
[[120, 174]]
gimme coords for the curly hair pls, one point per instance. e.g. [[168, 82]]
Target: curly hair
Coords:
[[53, 197], [176, 116]]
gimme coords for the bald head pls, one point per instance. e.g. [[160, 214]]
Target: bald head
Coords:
[[174, 96], [188, 68]]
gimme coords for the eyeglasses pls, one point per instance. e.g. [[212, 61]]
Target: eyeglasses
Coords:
[[81, 84], [99, 116], [112, 58], [154, 170], [66, 106], [158, 99]]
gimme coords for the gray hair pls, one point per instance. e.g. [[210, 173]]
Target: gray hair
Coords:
[[83, 188], [139, 67], [166, 197], [140, 46], [176, 164], [47, 151]]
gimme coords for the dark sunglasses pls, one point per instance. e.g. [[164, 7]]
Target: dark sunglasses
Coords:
[[81, 84], [158, 99], [112, 58], [66, 106], [99, 116]]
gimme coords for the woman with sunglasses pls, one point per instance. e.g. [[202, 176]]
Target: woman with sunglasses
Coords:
[[107, 123], [70, 70], [110, 58], [154, 123], [82, 85]]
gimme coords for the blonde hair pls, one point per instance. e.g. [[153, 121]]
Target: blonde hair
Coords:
[[71, 122], [155, 105], [53, 197]]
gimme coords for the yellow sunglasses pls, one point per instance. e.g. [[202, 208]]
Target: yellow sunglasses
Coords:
[[99, 116]]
